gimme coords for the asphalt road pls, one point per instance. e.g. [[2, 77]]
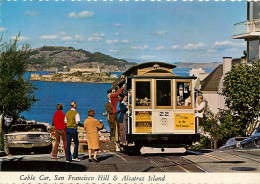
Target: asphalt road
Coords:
[[235, 161], [239, 160]]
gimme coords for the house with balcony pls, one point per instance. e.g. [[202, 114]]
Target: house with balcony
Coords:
[[250, 31]]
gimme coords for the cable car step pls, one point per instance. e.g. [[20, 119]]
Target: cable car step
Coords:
[[152, 150]]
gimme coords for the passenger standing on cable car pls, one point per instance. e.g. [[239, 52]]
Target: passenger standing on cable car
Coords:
[[122, 109], [114, 100], [111, 118], [127, 117], [199, 110]]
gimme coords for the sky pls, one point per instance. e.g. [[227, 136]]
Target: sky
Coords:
[[142, 30]]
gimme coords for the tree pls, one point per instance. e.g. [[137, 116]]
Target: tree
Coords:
[[16, 93], [219, 126], [229, 127], [241, 90], [210, 125]]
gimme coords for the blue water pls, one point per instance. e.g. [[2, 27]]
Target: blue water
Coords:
[[87, 95]]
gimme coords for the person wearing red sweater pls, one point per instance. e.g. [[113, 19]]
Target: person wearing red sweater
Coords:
[[114, 98], [60, 131]]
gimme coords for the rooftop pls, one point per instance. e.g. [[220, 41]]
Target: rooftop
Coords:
[[211, 82]]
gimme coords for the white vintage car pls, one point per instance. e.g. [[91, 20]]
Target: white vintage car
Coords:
[[28, 137]]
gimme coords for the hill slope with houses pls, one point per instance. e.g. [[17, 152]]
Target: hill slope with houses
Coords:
[[50, 58]]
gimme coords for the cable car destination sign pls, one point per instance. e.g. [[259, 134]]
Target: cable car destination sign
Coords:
[[143, 121], [184, 121]]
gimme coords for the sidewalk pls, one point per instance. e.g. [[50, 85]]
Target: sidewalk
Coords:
[[44, 162]]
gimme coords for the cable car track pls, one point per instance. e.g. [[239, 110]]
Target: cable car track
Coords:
[[174, 163]]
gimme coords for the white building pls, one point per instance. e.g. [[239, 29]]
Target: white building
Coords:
[[199, 73], [250, 31], [211, 86]]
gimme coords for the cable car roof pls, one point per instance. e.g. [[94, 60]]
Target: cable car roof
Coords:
[[133, 69]]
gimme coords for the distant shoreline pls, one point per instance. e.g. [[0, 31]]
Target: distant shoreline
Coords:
[[53, 70], [76, 77], [124, 71]]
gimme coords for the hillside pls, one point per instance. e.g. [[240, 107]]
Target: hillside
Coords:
[[48, 58], [198, 65]]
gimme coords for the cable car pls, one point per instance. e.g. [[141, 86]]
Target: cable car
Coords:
[[162, 114]]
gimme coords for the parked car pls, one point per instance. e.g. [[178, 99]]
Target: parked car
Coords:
[[253, 141], [233, 143], [28, 137]]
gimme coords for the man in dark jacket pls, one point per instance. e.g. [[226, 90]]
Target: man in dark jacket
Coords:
[[111, 118]]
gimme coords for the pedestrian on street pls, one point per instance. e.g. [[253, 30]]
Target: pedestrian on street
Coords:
[[72, 119], [91, 126], [60, 131]]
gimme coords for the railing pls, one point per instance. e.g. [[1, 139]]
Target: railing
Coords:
[[102, 135], [247, 27]]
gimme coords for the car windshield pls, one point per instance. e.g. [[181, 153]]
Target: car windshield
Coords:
[[240, 138], [28, 128], [230, 141]]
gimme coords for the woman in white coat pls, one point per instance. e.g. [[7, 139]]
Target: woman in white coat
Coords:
[[199, 110]]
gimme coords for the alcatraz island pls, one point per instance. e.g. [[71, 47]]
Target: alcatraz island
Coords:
[[85, 77], [74, 65]]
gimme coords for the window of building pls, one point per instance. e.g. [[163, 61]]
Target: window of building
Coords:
[[183, 94], [254, 10], [253, 50], [164, 93], [143, 94]]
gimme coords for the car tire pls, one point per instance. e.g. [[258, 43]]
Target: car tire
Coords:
[[47, 149], [257, 143], [137, 148], [7, 150], [242, 146]]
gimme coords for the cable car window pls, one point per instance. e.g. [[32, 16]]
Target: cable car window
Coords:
[[143, 93], [163, 96], [183, 96]]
